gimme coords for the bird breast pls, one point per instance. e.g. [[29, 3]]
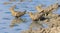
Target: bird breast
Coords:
[[14, 13]]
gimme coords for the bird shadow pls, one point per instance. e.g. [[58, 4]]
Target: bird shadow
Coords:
[[16, 21]]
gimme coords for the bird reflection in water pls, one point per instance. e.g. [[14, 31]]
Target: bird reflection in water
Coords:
[[16, 21]]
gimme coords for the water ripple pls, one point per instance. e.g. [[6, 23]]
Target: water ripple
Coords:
[[5, 32], [6, 19], [18, 29], [8, 12], [2, 28]]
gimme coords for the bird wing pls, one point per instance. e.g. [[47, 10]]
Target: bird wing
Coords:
[[19, 14]]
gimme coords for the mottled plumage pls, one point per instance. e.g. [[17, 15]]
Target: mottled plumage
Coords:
[[36, 16], [16, 13], [48, 9]]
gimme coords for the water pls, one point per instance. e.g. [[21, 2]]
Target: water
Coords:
[[6, 17]]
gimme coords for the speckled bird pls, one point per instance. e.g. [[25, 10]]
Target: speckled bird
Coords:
[[36, 16], [16, 13]]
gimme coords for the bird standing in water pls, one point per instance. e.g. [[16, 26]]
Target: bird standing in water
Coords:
[[49, 9], [16, 13], [36, 16]]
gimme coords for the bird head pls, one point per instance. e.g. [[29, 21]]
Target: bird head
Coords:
[[12, 8], [39, 8], [30, 13]]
